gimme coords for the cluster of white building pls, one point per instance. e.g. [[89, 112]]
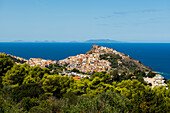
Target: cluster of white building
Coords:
[[86, 63], [76, 74], [157, 80], [40, 62]]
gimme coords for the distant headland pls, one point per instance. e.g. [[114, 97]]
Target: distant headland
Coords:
[[102, 41], [87, 41]]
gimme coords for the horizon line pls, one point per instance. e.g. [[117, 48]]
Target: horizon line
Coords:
[[72, 42]]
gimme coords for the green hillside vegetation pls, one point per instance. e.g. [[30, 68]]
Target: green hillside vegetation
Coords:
[[126, 64], [112, 58], [26, 89], [56, 68]]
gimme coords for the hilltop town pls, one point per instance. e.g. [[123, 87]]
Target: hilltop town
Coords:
[[87, 63], [93, 62]]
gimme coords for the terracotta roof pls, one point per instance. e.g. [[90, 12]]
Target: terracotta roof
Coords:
[[76, 78], [156, 78], [159, 81], [154, 72]]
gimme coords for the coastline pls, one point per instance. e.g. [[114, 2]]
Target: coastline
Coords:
[[56, 51]]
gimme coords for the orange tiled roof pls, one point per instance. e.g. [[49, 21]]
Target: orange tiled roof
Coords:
[[76, 78], [154, 72], [159, 81]]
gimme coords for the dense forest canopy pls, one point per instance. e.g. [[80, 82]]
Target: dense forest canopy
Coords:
[[41, 90]]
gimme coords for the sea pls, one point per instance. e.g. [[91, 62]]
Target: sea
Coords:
[[154, 55]]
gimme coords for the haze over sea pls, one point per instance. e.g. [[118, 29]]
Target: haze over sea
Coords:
[[155, 55]]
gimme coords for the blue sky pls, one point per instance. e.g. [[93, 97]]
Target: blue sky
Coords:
[[80, 20]]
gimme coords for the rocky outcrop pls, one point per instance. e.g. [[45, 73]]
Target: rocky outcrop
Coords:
[[94, 47]]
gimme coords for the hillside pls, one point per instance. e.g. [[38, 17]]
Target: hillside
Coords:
[[32, 89], [118, 60]]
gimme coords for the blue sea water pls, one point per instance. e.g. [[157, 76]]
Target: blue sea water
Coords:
[[155, 55]]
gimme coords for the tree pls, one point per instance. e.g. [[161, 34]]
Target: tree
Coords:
[[142, 73], [150, 74], [115, 75], [8, 107], [168, 84], [140, 79], [31, 90], [106, 78], [5, 65], [132, 90], [16, 75], [55, 85], [75, 70], [102, 103], [27, 103], [35, 74], [129, 87]]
